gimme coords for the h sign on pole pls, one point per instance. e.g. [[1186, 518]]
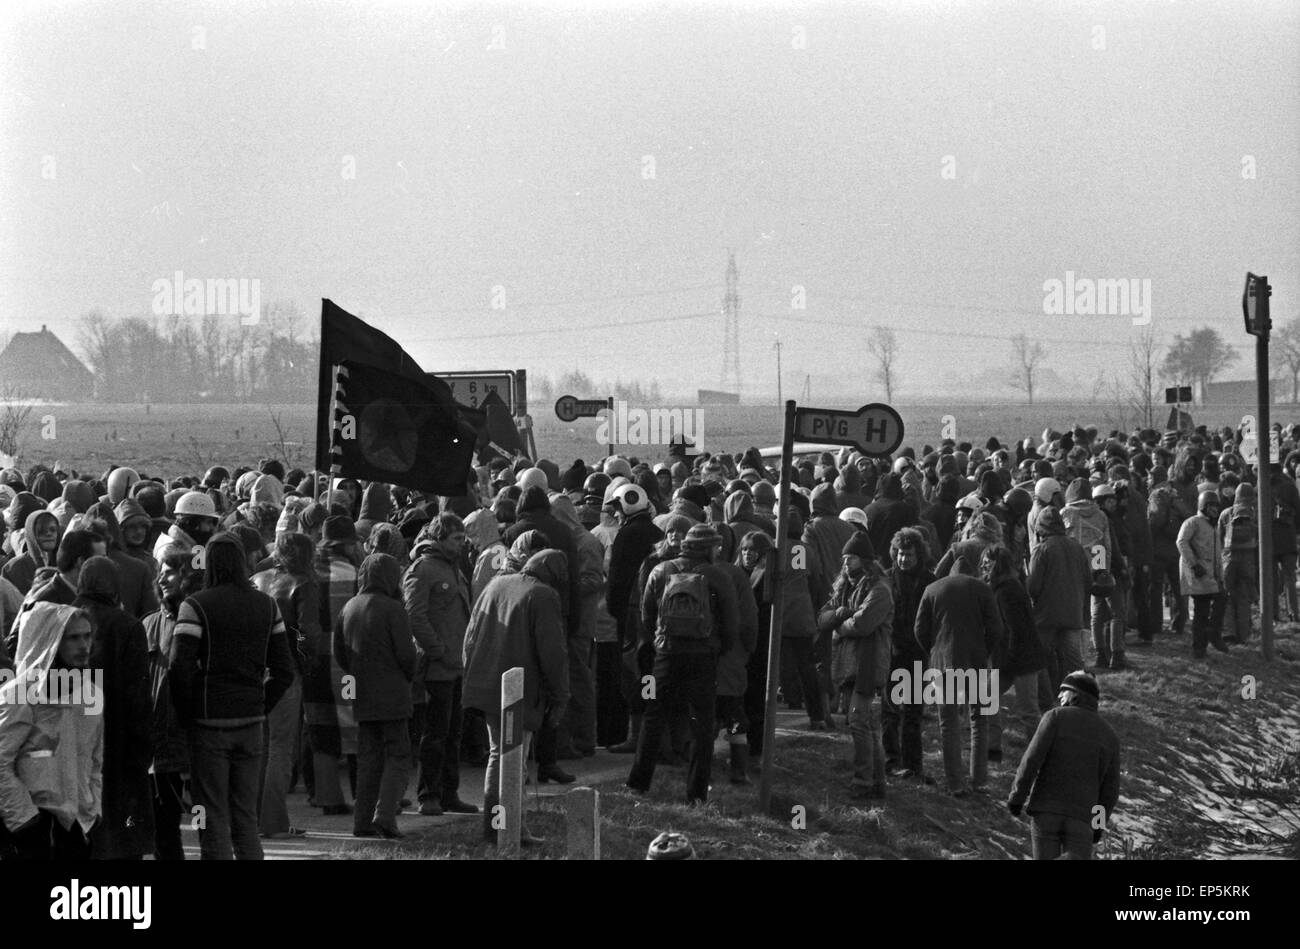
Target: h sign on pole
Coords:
[[511, 787]]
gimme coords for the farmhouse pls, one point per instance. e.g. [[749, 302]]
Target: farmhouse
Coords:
[[39, 366]]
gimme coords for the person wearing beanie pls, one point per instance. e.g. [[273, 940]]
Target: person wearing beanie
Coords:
[[1238, 537], [1071, 767], [573, 477], [859, 617], [552, 472], [691, 615], [1059, 583], [1200, 574]]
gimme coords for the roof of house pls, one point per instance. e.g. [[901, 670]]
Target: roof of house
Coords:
[[41, 356]]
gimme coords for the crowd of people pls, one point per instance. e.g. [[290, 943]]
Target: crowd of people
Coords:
[[260, 627]]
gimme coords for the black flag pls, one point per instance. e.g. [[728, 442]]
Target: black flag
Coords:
[[400, 431]]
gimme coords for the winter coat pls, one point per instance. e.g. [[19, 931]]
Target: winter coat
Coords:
[[135, 577], [738, 512], [376, 506], [826, 534], [169, 740], [1141, 550], [1247, 549], [591, 566], [957, 623], [632, 544], [887, 514], [1285, 515], [1198, 543], [437, 600], [732, 678], [905, 591], [534, 513], [22, 569], [724, 606], [373, 643], [51, 755], [1088, 525], [1072, 764], [121, 650], [1021, 650], [861, 615], [1060, 578], [518, 622]]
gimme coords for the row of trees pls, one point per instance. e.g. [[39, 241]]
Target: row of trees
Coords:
[[578, 383], [213, 358]]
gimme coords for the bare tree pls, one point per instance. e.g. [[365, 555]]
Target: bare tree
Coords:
[[290, 451], [13, 419], [1143, 363], [1286, 344], [883, 344], [1029, 357]]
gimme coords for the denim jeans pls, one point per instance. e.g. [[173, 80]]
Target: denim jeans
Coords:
[[383, 769], [1054, 834], [901, 731], [868, 748], [279, 734], [492, 776], [950, 729], [440, 746], [685, 684], [225, 768], [1110, 621], [1064, 655], [1241, 579]]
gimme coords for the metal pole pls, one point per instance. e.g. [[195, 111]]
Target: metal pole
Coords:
[[777, 573], [1264, 492], [610, 403], [329, 489]]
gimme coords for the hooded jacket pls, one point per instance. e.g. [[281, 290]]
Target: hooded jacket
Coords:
[[46, 487], [848, 488], [1086, 522], [1198, 543], [1072, 763], [21, 571], [437, 599], [534, 513], [130, 510], [1242, 511], [51, 755], [635, 540], [373, 643], [826, 534], [887, 513], [135, 575], [79, 495], [733, 677], [591, 564], [518, 622], [484, 533], [376, 506], [739, 514], [121, 650], [1060, 578]]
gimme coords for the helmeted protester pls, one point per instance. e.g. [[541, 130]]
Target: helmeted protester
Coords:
[[373, 644], [119, 483], [859, 614], [1047, 493], [1200, 573], [48, 813], [437, 597], [517, 622], [691, 614], [120, 650], [229, 665], [1071, 767], [196, 522]]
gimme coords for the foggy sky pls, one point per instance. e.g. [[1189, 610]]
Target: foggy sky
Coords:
[[522, 167]]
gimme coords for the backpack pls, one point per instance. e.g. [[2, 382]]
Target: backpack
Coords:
[[685, 611], [1241, 532]]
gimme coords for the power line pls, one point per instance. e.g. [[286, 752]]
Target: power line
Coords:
[[571, 328], [587, 300]]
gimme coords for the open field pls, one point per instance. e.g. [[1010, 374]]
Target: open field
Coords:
[[178, 439]]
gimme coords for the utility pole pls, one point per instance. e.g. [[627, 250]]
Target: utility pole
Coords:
[[731, 330], [1254, 307], [778, 372]]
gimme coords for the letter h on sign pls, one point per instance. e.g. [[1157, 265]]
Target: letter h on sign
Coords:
[[882, 432]]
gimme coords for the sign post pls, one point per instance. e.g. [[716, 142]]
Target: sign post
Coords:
[[1254, 308], [874, 429], [777, 573], [511, 786]]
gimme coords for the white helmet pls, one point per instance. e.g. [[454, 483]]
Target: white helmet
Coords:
[[629, 498], [197, 504]]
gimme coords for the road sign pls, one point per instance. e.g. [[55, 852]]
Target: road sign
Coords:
[[1176, 394], [471, 388], [875, 429], [569, 408], [1254, 305]]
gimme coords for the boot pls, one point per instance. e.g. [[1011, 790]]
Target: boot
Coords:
[[739, 763], [629, 747]]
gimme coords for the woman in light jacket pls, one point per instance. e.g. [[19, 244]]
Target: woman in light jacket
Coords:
[[1200, 573]]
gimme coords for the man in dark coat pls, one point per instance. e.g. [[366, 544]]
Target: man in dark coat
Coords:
[[887, 514], [1070, 769], [958, 625], [1060, 577], [908, 577], [373, 643], [134, 575], [121, 650]]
